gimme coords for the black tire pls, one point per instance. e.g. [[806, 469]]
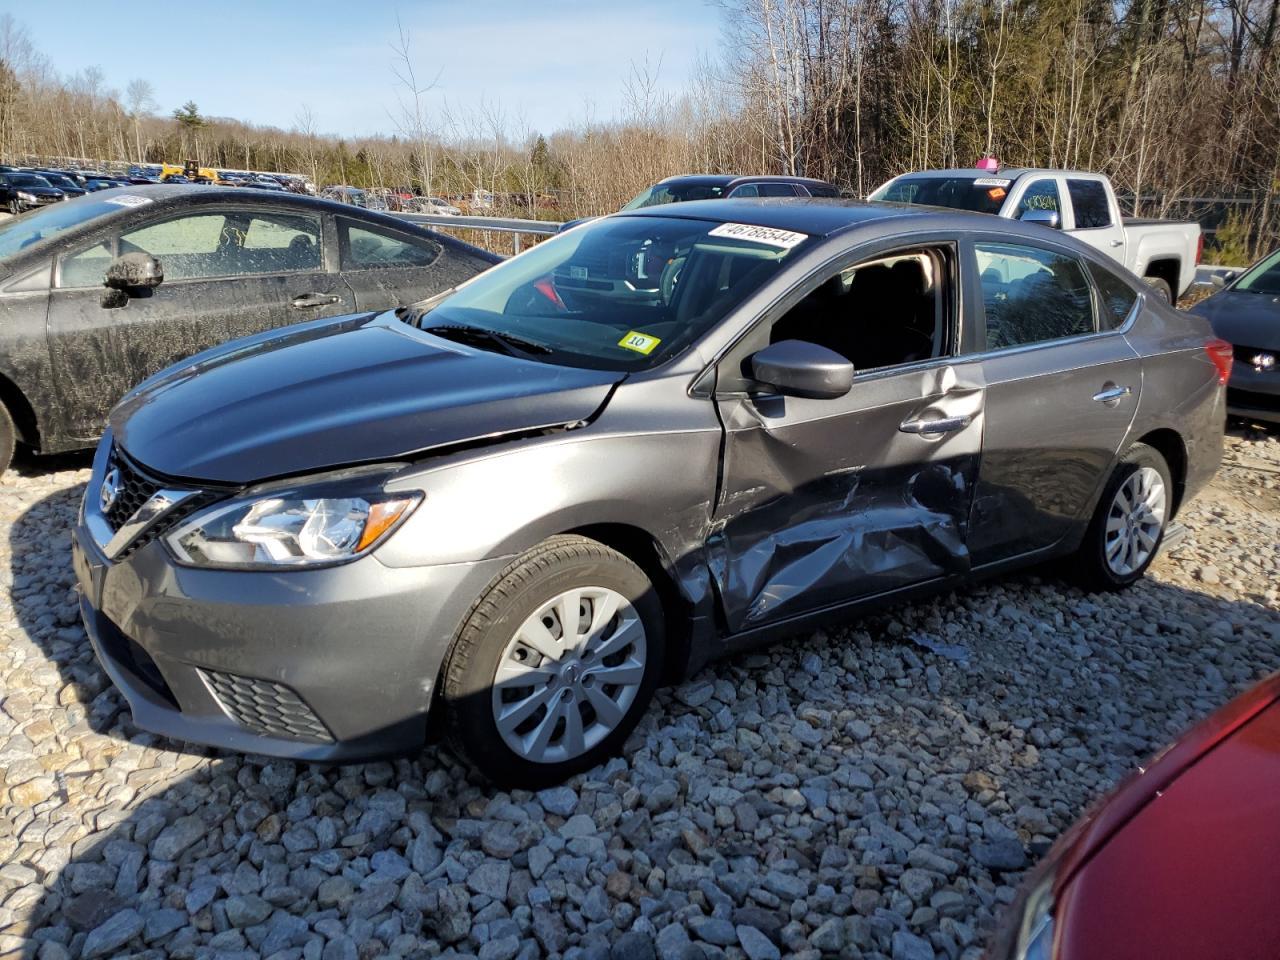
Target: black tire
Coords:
[[554, 566], [14, 207], [8, 439], [1089, 566], [1161, 288]]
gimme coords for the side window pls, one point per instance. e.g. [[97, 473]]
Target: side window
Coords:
[[367, 248], [883, 312], [187, 247], [88, 268], [1041, 195], [746, 190], [1116, 296], [281, 243], [1032, 295], [777, 190], [817, 190], [1089, 201]]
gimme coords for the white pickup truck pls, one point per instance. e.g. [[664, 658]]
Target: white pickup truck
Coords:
[[1162, 252]]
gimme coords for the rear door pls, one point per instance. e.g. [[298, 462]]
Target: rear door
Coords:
[[1062, 387], [1094, 219], [827, 501], [228, 272], [387, 268]]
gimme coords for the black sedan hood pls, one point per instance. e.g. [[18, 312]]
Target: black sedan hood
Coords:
[[1242, 318], [329, 394]]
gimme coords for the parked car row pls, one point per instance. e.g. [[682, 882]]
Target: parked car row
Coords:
[[24, 188]]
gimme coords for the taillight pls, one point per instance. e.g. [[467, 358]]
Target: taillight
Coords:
[[1219, 352], [1199, 249]]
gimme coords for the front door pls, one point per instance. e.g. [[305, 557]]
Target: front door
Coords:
[[388, 269], [826, 501], [1062, 389], [227, 274]]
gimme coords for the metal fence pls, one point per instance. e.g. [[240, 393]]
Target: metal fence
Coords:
[[485, 225]]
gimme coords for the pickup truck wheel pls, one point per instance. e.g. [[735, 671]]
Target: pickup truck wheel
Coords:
[[8, 438], [1161, 288], [555, 664], [1128, 525]]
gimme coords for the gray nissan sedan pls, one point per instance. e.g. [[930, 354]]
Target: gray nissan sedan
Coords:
[[653, 440]]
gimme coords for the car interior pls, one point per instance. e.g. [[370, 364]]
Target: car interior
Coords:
[[881, 313]]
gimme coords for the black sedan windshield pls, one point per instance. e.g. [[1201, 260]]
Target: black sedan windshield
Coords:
[[978, 193], [675, 193], [1263, 278], [27, 180], [22, 232], [623, 293]]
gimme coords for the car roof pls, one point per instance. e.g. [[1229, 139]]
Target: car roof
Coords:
[[1008, 173], [724, 179], [815, 216]]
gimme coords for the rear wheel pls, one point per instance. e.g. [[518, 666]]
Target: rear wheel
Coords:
[[1128, 524], [1161, 288], [555, 664], [8, 438]]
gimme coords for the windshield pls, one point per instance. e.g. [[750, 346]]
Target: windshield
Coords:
[[621, 293], [27, 180], [978, 193], [1263, 278], [45, 222], [675, 193]]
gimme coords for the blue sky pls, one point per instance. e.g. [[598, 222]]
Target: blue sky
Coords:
[[545, 60]]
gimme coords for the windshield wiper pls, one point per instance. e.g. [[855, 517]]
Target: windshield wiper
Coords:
[[507, 343]]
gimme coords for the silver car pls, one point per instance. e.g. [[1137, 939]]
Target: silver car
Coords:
[[653, 440]]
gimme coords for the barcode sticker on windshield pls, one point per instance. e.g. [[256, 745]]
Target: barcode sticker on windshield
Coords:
[[782, 239], [129, 200], [639, 342], [991, 182]]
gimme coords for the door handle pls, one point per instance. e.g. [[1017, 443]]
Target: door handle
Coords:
[[935, 427], [1112, 393], [1117, 243], [312, 300]]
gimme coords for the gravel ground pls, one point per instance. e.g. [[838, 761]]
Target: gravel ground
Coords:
[[876, 790]]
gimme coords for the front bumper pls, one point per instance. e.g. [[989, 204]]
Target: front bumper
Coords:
[[1254, 393], [332, 664]]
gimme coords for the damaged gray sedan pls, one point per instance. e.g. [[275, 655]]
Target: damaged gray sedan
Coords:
[[648, 442]]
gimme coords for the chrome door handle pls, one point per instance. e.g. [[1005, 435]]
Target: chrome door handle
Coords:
[[312, 300], [934, 427], [1117, 243], [1112, 394]]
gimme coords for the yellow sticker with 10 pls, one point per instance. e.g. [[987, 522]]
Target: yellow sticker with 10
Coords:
[[639, 342]]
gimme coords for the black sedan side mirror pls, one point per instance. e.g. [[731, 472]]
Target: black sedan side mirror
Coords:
[[132, 271], [800, 369], [1046, 218]]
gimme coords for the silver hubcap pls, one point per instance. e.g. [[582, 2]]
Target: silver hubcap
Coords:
[[1135, 521], [569, 675]]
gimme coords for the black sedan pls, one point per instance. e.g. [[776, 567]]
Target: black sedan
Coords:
[[69, 186], [23, 191], [99, 293], [1246, 313]]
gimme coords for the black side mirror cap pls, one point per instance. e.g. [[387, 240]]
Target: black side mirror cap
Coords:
[[134, 271], [798, 368]]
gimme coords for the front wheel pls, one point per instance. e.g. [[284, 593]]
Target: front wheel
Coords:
[[1128, 524], [555, 664], [14, 207]]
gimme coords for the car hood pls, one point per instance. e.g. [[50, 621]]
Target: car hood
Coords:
[[333, 393], [1247, 319], [1185, 848]]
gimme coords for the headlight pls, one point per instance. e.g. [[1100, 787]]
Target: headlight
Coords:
[[1035, 931], [294, 529], [23, 195]]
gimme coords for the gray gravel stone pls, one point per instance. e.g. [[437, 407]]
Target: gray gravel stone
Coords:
[[108, 938], [756, 945]]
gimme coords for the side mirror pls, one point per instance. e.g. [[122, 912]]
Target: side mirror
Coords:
[[1222, 278], [133, 271], [800, 369], [1046, 218]]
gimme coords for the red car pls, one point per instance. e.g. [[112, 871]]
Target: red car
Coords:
[[1182, 860]]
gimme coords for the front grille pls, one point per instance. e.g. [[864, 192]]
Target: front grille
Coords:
[[136, 488], [264, 707]]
